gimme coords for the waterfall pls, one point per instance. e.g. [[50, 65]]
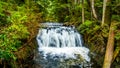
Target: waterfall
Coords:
[[58, 43]]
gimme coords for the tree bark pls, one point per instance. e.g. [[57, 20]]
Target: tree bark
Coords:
[[83, 17], [103, 14], [93, 9], [110, 48], [106, 15]]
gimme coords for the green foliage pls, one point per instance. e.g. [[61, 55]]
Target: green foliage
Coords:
[[12, 34], [2, 14], [10, 40], [116, 17], [60, 11], [1, 11], [16, 19], [7, 47], [88, 27], [51, 9], [117, 36]]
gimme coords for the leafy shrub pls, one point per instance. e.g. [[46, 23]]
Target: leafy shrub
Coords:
[[7, 46], [88, 27], [12, 33], [10, 40]]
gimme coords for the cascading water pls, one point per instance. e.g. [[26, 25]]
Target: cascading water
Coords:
[[61, 47]]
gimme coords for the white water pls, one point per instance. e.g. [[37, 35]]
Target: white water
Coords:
[[67, 52], [58, 40]]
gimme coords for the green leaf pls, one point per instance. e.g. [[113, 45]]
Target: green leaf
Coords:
[[88, 23]]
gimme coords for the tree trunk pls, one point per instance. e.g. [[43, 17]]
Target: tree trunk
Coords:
[[110, 48], [93, 9], [103, 14], [106, 17], [83, 17]]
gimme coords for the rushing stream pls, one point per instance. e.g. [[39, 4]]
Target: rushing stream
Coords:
[[61, 47]]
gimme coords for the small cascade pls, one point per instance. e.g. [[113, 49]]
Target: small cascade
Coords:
[[61, 47]]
